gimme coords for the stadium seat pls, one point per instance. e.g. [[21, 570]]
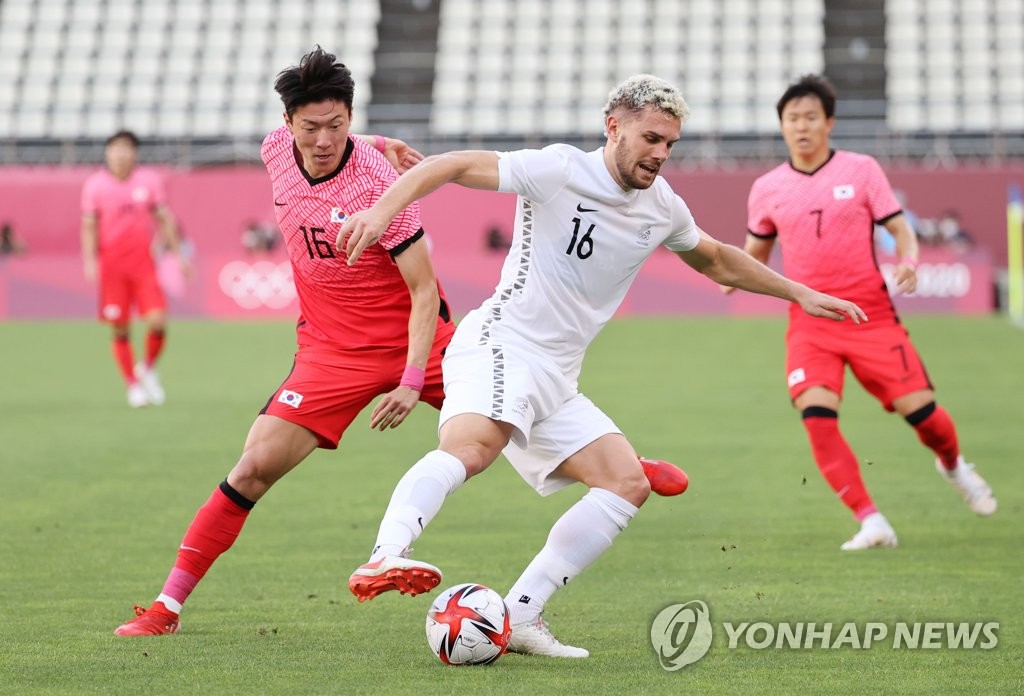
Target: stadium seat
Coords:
[[963, 49], [509, 66]]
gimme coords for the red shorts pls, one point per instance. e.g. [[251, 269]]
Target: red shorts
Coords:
[[882, 358], [120, 290], [327, 388]]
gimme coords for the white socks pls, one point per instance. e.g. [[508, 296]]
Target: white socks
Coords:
[[417, 498], [576, 540], [169, 602]]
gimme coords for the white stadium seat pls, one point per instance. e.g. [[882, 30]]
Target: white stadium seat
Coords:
[[515, 66]]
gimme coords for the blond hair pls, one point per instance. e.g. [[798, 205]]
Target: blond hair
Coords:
[[640, 91]]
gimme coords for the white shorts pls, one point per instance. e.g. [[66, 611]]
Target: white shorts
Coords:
[[552, 420]]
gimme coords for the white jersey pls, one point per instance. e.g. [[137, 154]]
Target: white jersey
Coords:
[[579, 243]]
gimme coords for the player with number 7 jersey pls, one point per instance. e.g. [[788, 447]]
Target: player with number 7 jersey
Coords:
[[824, 221], [822, 207]]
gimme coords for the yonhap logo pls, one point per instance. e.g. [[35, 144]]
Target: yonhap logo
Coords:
[[681, 634]]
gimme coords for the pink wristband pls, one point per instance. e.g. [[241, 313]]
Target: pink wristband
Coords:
[[907, 261], [413, 377], [380, 143]]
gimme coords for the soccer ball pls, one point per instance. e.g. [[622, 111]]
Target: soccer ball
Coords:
[[468, 625]]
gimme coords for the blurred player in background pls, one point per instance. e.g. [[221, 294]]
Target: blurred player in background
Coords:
[[119, 206], [366, 329], [585, 223], [821, 206]]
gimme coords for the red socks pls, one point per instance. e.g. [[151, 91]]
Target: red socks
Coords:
[[212, 532], [936, 430], [122, 348], [836, 460], [154, 345], [125, 358], [838, 464]]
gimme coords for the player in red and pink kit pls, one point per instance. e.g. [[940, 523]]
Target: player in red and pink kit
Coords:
[[377, 327], [822, 207], [119, 204]]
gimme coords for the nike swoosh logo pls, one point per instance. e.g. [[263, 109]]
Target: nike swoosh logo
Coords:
[[276, 203], [581, 209], [188, 548]]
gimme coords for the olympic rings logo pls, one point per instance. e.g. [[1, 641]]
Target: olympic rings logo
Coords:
[[260, 284]]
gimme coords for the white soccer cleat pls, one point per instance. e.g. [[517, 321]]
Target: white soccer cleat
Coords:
[[534, 638], [137, 396], [150, 381], [875, 531], [973, 489]]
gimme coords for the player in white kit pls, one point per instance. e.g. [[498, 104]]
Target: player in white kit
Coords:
[[585, 223]]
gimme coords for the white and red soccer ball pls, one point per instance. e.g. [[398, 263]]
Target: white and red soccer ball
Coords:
[[468, 624]]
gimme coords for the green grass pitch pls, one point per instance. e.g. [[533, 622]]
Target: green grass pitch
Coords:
[[94, 498]]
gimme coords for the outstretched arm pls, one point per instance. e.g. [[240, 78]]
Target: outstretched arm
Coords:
[[730, 265], [758, 247], [471, 168], [399, 153]]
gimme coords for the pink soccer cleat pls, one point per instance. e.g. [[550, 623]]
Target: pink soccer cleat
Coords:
[[158, 620]]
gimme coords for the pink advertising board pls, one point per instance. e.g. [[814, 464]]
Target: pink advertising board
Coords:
[[215, 205]]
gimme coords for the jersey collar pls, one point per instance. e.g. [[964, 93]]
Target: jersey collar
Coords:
[[349, 146], [831, 154]]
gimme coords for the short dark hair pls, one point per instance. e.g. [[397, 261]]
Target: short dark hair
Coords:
[[808, 85], [124, 135], [318, 77]]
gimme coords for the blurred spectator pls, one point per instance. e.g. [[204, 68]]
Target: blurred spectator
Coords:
[[9, 244], [909, 215], [951, 234], [928, 232], [495, 239], [924, 228], [259, 237], [884, 241]]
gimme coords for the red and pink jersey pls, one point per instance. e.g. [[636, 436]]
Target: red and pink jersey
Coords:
[[824, 221], [362, 306], [124, 216]]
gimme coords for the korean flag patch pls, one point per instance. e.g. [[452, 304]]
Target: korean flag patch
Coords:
[[291, 398], [337, 215], [842, 193]]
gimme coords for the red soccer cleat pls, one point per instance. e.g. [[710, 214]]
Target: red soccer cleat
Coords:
[[158, 620], [666, 479]]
